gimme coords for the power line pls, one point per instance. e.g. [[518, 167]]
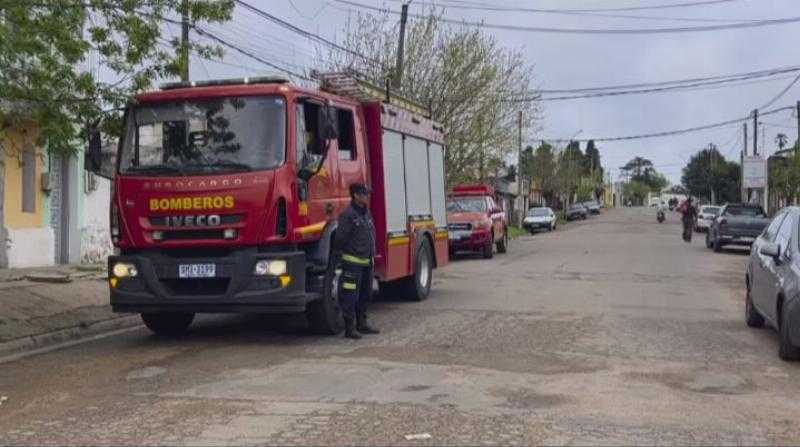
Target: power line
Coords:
[[673, 132], [214, 37], [782, 92], [305, 33], [766, 72], [662, 89], [605, 13], [620, 31]]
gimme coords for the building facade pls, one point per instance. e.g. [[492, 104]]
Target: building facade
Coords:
[[54, 211]]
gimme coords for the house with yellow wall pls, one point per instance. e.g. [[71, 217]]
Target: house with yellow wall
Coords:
[[29, 237], [54, 211]]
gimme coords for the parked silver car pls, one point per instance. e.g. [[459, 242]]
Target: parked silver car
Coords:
[[773, 281]]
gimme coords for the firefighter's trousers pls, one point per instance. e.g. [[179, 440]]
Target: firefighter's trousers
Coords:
[[355, 287]]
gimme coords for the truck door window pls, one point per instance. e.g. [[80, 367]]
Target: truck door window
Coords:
[[346, 137], [312, 138]]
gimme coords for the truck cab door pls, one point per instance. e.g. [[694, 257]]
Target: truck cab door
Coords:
[[309, 143]]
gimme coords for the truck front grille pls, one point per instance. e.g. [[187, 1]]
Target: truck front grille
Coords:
[[189, 235]]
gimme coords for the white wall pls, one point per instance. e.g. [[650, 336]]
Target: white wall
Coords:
[[31, 247], [95, 236]]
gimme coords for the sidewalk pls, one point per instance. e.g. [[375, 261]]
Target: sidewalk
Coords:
[[43, 306]]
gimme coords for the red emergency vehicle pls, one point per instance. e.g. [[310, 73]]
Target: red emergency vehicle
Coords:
[[475, 221], [226, 194]]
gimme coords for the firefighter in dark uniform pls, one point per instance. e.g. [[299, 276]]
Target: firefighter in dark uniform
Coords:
[[355, 248]]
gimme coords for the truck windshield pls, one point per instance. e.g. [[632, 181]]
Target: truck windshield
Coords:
[[233, 134], [467, 205]]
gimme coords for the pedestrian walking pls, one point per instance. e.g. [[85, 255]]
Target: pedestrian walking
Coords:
[[355, 247], [688, 216]]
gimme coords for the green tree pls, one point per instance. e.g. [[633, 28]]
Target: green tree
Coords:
[[595, 169], [709, 175], [44, 47], [544, 172], [635, 191], [571, 165]]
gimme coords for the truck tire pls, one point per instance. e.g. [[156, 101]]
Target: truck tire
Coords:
[[502, 245], [786, 350], [418, 286], [751, 315], [168, 324], [488, 249], [324, 315]]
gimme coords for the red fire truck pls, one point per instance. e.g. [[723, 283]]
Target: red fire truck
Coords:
[[226, 193]]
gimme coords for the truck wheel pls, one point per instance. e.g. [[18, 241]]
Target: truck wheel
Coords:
[[325, 315], [418, 285], [488, 249], [502, 246], [751, 315], [786, 350], [168, 324]]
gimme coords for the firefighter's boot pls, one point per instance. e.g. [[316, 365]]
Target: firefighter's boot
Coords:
[[350, 329], [364, 327]]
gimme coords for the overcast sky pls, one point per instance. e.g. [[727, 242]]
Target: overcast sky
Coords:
[[562, 61]]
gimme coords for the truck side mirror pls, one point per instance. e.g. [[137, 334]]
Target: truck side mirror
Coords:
[[311, 164]]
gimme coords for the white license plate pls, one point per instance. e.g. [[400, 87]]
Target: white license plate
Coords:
[[197, 270], [459, 234]]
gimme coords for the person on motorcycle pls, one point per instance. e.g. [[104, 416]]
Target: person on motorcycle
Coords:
[[688, 216], [661, 212]]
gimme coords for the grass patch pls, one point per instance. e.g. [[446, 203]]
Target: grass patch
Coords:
[[515, 232]]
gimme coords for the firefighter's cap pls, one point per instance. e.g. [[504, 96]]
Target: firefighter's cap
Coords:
[[359, 188]]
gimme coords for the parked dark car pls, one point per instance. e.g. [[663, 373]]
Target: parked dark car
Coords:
[[592, 207], [576, 211], [736, 224], [773, 282]]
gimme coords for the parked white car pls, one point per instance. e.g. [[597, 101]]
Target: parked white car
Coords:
[[705, 217], [542, 218]]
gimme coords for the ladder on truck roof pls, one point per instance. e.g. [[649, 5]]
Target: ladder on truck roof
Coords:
[[351, 86], [400, 114]]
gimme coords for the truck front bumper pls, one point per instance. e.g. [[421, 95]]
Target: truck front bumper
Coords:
[[475, 241], [158, 287]]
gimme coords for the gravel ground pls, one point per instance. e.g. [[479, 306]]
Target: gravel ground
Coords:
[[608, 331]]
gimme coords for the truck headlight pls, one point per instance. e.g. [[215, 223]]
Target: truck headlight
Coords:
[[124, 270], [275, 267]]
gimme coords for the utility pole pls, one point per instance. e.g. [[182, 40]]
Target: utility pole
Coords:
[[519, 167], [398, 69], [184, 40], [797, 112], [745, 195], [755, 132]]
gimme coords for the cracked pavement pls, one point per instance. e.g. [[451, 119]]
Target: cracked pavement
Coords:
[[608, 331]]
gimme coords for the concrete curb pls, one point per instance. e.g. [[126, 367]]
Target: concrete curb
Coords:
[[69, 336]]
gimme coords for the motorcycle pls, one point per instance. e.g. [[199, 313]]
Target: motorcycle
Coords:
[[660, 216]]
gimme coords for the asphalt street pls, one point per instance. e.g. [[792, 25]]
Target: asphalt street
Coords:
[[607, 331]]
